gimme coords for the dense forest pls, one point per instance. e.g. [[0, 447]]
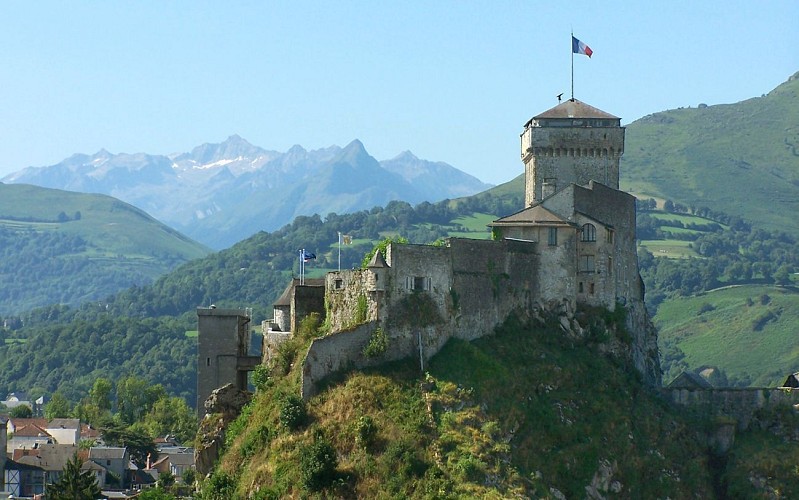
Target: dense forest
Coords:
[[142, 331]]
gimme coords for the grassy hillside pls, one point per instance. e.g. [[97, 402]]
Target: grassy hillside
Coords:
[[525, 413], [747, 332], [64, 247], [741, 158]]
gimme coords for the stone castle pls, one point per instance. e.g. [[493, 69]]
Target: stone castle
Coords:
[[573, 244]]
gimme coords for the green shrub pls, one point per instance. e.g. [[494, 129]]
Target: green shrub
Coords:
[[378, 343], [366, 430], [309, 326], [318, 463], [237, 426], [260, 377], [220, 486], [706, 307], [286, 356], [293, 414]]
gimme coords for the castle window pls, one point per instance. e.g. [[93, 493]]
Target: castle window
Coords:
[[580, 287], [586, 264], [338, 284], [591, 288], [588, 233], [207, 361], [422, 283], [610, 236], [553, 236]]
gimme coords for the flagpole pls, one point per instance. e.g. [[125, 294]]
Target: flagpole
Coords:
[[339, 251], [572, 51]]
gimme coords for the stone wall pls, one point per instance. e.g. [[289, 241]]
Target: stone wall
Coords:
[[335, 352], [304, 301], [272, 340], [740, 404], [343, 291], [555, 157]]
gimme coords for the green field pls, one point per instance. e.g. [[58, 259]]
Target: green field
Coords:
[[747, 331], [672, 249]]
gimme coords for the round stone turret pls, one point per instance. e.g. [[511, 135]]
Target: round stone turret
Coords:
[[570, 143]]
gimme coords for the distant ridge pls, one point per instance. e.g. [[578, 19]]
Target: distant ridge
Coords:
[[741, 158], [222, 193], [61, 247]]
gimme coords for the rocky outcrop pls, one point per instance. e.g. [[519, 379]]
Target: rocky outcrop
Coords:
[[646, 356], [221, 408]]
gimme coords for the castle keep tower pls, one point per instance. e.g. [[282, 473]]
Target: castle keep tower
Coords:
[[223, 343], [571, 143]]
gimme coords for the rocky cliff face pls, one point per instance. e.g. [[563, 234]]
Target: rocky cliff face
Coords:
[[221, 408], [645, 354]]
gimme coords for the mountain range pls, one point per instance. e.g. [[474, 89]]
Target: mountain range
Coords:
[[219, 194]]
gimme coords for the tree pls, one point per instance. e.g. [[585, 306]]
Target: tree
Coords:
[[74, 484], [171, 415], [135, 438], [156, 493], [135, 397], [21, 411], [166, 479], [100, 393], [57, 407]]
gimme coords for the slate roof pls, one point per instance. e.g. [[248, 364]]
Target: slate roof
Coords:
[[285, 298], [106, 453], [16, 465], [792, 380], [51, 457], [64, 423], [536, 215], [573, 108], [688, 380], [377, 261]]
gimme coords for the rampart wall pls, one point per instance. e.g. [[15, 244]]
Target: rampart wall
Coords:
[[332, 353], [740, 404]]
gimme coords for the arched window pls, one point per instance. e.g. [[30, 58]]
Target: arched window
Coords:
[[588, 233]]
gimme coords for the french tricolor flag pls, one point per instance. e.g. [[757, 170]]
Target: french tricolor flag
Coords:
[[579, 47]]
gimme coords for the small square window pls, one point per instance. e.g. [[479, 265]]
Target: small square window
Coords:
[[339, 284]]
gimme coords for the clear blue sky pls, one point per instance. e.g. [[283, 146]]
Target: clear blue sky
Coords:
[[451, 81]]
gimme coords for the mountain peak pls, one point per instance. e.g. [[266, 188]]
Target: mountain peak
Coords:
[[406, 156], [237, 140], [355, 145]]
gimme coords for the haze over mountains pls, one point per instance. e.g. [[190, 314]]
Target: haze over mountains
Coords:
[[219, 194]]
